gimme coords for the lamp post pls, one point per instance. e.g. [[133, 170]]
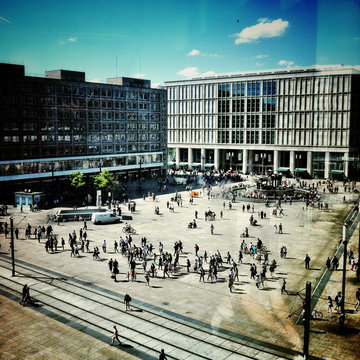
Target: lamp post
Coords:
[[231, 154], [141, 161], [203, 162], [263, 157]]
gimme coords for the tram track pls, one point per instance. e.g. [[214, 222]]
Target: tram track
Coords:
[[138, 323]]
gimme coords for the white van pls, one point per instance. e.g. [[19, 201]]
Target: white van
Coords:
[[104, 218]]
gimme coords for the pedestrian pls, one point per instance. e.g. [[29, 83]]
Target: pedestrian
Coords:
[[162, 355], [240, 257], [188, 265], [202, 274], [147, 278], [63, 243], [25, 295], [280, 228], [328, 263], [330, 304], [85, 225], [17, 233], [357, 295], [110, 264], [127, 299], [212, 229], [257, 281], [338, 300], [230, 283], [115, 336], [307, 261], [283, 287], [104, 246]]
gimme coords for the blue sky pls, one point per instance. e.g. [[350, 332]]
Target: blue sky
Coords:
[[169, 40]]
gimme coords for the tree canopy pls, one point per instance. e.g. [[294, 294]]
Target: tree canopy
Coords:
[[105, 181], [77, 180]]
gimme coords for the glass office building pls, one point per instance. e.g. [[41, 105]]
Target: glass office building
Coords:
[[58, 124], [302, 121]]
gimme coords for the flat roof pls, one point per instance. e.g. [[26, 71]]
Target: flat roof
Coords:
[[353, 69]]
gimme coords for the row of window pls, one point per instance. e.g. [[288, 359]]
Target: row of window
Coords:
[[68, 150], [336, 102], [290, 86], [298, 137], [27, 139], [82, 115], [316, 120], [89, 92], [48, 126]]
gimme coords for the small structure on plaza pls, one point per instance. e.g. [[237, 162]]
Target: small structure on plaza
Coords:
[[29, 199]]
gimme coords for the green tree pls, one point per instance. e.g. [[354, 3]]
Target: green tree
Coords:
[[77, 180], [106, 181]]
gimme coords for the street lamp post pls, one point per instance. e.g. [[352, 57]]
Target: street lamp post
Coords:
[[263, 157], [231, 154], [141, 161]]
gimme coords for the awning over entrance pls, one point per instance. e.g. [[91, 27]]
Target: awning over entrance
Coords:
[[196, 164], [209, 165], [337, 172], [299, 170], [183, 164], [171, 163], [283, 169]]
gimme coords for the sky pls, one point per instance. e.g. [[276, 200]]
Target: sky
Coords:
[[164, 40]]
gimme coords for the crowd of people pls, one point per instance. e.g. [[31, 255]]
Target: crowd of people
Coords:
[[158, 262]]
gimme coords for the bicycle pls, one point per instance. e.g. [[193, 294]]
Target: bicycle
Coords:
[[129, 230], [316, 314]]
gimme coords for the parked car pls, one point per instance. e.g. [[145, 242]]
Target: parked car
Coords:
[[104, 218]]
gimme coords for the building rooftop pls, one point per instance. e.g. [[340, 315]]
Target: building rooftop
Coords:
[[311, 69]]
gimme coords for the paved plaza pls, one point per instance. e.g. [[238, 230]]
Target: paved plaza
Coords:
[[258, 316]]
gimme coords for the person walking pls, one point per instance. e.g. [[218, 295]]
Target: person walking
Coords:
[[230, 283], [280, 228], [25, 295], [338, 300], [104, 246], [202, 274], [328, 263], [283, 287], [162, 355], [307, 261], [127, 299], [212, 229], [115, 336], [357, 294], [330, 304]]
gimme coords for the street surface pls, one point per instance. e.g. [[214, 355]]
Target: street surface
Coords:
[[259, 316]]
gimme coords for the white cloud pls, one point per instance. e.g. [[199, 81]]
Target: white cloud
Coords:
[[209, 73], [156, 85], [189, 72], [96, 80], [261, 56], [139, 76], [72, 39], [214, 55], [285, 63], [193, 52], [263, 29]]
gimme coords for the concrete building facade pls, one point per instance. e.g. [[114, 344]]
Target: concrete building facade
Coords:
[[53, 126], [305, 121]]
